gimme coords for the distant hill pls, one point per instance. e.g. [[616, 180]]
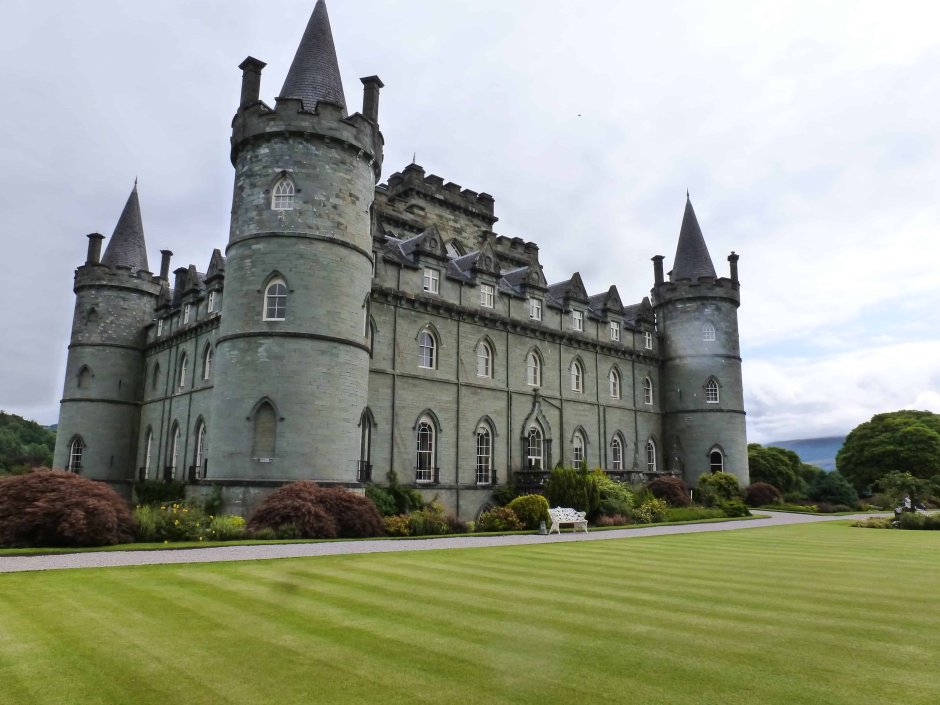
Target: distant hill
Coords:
[[815, 451]]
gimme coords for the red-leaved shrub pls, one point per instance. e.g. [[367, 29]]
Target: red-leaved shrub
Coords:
[[760, 494], [671, 490], [58, 508], [317, 512]]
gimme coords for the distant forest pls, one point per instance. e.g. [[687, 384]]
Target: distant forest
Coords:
[[23, 444]]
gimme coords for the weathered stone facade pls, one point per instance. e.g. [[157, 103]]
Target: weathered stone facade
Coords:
[[354, 328]]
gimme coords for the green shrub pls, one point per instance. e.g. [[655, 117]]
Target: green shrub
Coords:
[[671, 490], [156, 492], [693, 513], [406, 499], [429, 521], [264, 534], [833, 488], [912, 520], [718, 487], [570, 487], [760, 494], [180, 522], [57, 508], [734, 508], [504, 494], [531, 509], [225, 527], [615, 497], [875, 523], [397, 525], [499, 519], [212, 504], [383, 500], [651, 511]]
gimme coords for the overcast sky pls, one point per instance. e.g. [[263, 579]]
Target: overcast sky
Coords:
[[806, 132]]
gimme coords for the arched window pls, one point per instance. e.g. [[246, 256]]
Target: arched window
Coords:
[[650, 456], [716, 461], [427, 347], [84, 377], [184, 366], [711, 392], [647, 391], [533, 369], [275, 301], [614, 379], [174, 451], [156, 376], [424, 455], [708, 332], [76, 454], [577, 377], [282, 196], [577, 449], [534, 449], [616, 454], [365, 447], [264, 437], [207, 363], [484, 360], [199, 457], [148, 453], [484, 464]]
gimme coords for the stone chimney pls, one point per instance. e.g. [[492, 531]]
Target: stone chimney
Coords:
[[165, 264], [733, 259], [94, 248], [658, 269], [251, 81], [370, 97]]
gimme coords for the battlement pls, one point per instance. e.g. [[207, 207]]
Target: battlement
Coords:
[[412, 180], [703, 287], [91, 275]]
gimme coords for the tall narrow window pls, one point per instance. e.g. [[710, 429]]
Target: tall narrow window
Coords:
[[275, 301], [616, 454], [647, 391], [711, 392], [187, 312], [615, 331], [282, 196], [577, 449], [210, 305], [484, 464], [533, 449], [431, 280], [148, 453], [716, 461], [156, 376], [533, 370], [708, 332], [84, 377], [484, 360], [199, 456], [365, 448], [650, 456], [76, 454], [159, 327], [487, 295], [207, 363], [577, 320], [614, 379], [265, 432], [577, 377], [424, 456], [174, 450], [427, 347], [648, 340], [535, 309], [184, 365]]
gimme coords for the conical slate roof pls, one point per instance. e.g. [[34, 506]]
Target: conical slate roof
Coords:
[[127, 248], [314, 73], [692, 258]]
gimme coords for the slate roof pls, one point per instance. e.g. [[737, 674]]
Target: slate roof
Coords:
[[127, 248], [692, 258], [314, 73]]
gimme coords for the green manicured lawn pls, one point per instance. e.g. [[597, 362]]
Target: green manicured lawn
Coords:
[[822, 613]]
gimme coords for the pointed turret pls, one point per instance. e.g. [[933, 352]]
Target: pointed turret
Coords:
[[692, 258], [127, 248], [314, 73]]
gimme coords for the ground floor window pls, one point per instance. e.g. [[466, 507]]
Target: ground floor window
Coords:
[[76, 454], [424, 456], [717, 461], [484, 463]]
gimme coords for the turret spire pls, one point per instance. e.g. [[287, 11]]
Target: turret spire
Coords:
[[692, 258], [314, 73], [127, 248]]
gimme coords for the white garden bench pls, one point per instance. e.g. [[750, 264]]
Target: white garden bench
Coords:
[[567, 515]]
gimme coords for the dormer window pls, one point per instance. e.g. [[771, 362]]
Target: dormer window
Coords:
[[487, 295], [432, 280], [187, 312], [648, 340], [615, 331], [282, 196], [159, 327], [577, 320], [535, 309], [210, 306]]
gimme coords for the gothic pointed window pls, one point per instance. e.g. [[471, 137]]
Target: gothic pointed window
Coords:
[[533, 369], [534, 449], [174, 455], [207, 363], [264, 432], [484, 455], [282, 196], [275, 301], [427, 349], [647, 391], [199, 457], [711, 392], [484, 360], [577, 377], [616, 454], [716, 461], [76, 454], [650, 456], [424, 452], [156, 376], [148, 454], [84, 377], [184, 366], [578, 449], [614, 379], [708, 332]]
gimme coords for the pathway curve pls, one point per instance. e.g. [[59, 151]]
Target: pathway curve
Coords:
[[105, 559]]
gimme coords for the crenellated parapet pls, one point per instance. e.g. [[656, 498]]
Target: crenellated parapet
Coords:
[[413, 182], [702, 288]]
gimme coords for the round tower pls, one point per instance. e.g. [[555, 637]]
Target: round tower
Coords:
[[292, 360], [114, 303], [702, 395]]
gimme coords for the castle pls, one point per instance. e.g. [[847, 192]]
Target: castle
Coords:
[[355, 327]]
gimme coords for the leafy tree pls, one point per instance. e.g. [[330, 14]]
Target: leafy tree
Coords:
[[898, 485], [24, 444], [832, 487], [779, 467], [901, 441]]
